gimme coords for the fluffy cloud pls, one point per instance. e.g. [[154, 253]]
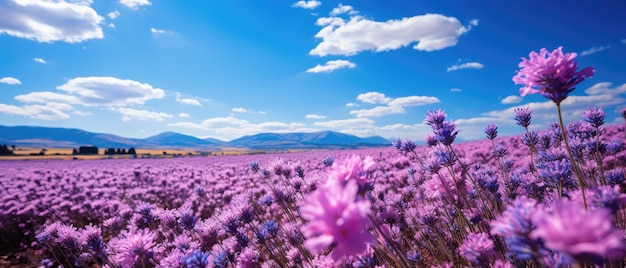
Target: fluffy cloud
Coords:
[[239, 110], [343, 9], [193, 102], [49, 21], [331, 66], [135, 4], [373, 98], [314, 116], [468, 65], [307, 4], [594, 50], [129, 114], [114, 14], [10, 81], [512, 99], [40, 60], [51, 111], [456, 90], [47, 97], [431, 32], [352, 123], [228, 128], [184, 115], [111, 91], [393, 106]]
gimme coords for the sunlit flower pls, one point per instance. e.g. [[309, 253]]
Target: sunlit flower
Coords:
[[477, 248], [551, 74]]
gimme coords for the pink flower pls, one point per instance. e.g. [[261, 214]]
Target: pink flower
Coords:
[[579, 233], [353, 168], [336, 217], [553, 75]]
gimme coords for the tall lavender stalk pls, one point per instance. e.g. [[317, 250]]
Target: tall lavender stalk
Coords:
[[554, 76]]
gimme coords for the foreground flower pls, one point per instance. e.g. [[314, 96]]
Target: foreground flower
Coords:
[[477, 248], [551, 74], [336, 218], [353, 168], [585, 235]]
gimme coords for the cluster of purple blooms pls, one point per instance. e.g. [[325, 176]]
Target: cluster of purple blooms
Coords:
[[550, 198]]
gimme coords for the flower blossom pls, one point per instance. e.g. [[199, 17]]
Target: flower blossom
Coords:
[[551, 74], [336, 217]]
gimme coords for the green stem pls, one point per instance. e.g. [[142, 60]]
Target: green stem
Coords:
[[571, 156]]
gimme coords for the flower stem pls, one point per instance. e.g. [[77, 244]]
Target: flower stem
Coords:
[[571, 156]]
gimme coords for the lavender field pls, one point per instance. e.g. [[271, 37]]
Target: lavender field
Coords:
[[544, 198]]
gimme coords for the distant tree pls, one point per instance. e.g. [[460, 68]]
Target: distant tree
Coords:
[[123, 151], [13, 147], [88, 150], [132, 151], [109, 151], [43, 151], [74, 151], [4, 150], [164, 153]]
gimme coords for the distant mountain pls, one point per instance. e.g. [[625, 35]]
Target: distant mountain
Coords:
[[67, 137], [324, 139], [177, 139]]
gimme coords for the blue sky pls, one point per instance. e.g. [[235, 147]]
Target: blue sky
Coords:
[[225, 69]]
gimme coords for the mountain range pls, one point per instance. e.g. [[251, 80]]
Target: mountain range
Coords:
[[33, 136]]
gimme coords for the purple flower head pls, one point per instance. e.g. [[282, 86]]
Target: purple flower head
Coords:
[[477, 248], [594, 116], [515, 225], [585, 235], [68, 237], [609, 197], [397, 143], [408, 146], [434, 118], [254, 166], [615, 146], [196, 259], [336, 217], [353, 168], [93, 238], [614, 176], [431, 140], [328, 161], [137, 246], [248, 258], [558, 173], [491, 131], [446, 133], [523, 116], [187, 219], [530, 138], [551, 74]]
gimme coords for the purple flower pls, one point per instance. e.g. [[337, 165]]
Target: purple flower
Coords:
[[515, 225], [353, 168], [522, 116], [132, 247], [328, 161], [582, 234], [446, 133], [431, 140], [594, 116], [491, 131], [434, 118], [196, 259], [477, 248], [336, 217], [553, 75]]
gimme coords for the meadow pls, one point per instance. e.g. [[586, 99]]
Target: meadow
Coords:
[[544, 198]]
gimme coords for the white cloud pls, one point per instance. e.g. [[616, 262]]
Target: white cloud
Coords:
[[373, 98], [352, 104], [239, 110], [512, 99], [228, 128], [49, 21], [157, 32], [431, 32], [46, 97], [49, 111], [111, 91], [314, 116], [468, 65], [346, 123], [40, 60], [456, 90], [129, 114], [193, 102], [184, 115], [111, 25], [135, 4], [10, 81], [474, 22], [82, 113], [343, 9], [393, 106], [307, 4], [331, 66], [594, 50], [114, 14]]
